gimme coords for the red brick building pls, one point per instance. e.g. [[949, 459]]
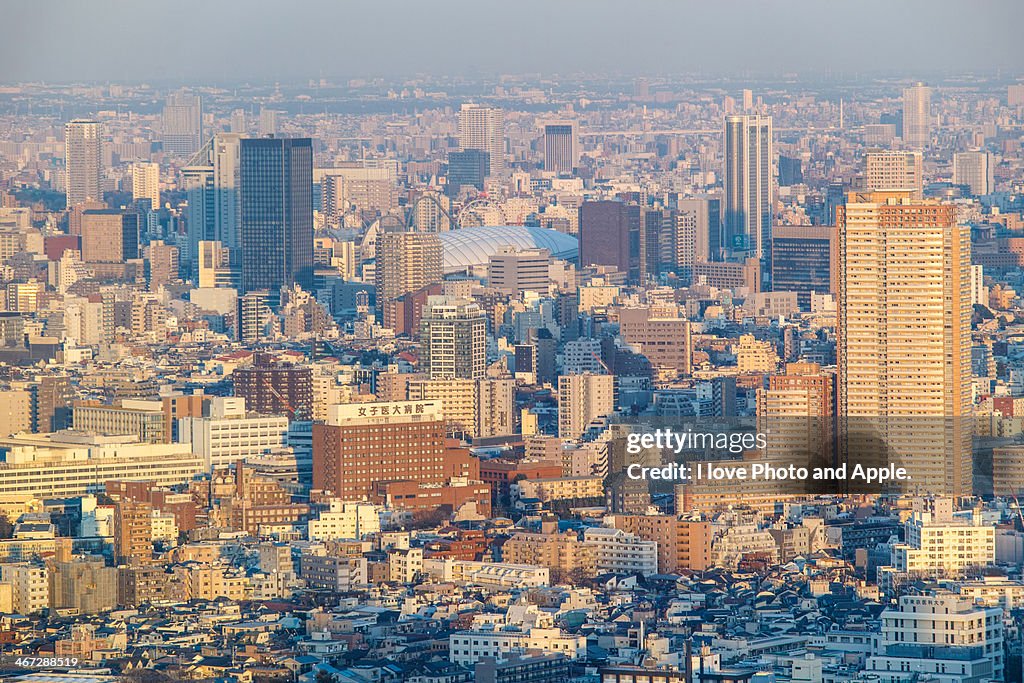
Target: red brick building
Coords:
[[362, 446]]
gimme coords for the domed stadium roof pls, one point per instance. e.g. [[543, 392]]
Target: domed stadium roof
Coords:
[[469, 247]]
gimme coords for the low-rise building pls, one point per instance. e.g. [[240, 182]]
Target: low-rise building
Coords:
[[469, 647]]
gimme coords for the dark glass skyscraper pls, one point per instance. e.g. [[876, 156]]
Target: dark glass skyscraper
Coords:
[[276, 207], [468, 167], [803, 261], [610, 235]]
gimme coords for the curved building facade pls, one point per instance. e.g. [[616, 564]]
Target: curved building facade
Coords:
[[471, 248]]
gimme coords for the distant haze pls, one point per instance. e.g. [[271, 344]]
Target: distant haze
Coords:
[[262, 41]]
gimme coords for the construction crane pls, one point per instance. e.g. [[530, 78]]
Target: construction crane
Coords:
[[603, 364], [279, 397]]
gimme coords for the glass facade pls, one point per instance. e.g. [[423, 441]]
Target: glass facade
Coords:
[[276, 199]]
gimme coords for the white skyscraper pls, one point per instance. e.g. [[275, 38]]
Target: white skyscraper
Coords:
[[83, 158], [146, 182], [917, 116], [483, 128], [748, 185], [268, 122], [225, 180], [182, 124], [453, 338], [973, 169], [581, 399], [211, 182]]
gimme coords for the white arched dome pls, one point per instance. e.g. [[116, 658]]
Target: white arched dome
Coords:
[[472, 247]]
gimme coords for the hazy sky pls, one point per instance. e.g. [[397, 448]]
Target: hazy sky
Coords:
[[295, 40]]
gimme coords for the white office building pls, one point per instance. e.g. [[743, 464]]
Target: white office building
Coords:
[[229, 434], [620, 552]]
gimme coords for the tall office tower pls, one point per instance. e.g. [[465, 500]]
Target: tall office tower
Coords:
[[83, 161], [904, 346], [561, 147], [685, 244], [609, 236], [917, 116], [886, 170], [406, 262], [200, 215], [706, 215], [657, 246], [973, 169], [483, 128], [453, 339], [182, 124], [109, 236], [641, 88], [582, 399], [276, 213], [804, 261], [226, 157], [468, 168], [268, 122], [146, 183], [790, 171], [211, 181], [748, 185]]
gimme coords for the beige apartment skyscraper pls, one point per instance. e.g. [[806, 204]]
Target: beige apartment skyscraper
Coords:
[[406, 262], [917, 116], [975, 170], [796, 412], [483, 128], [889, 170], [83, 160], [581, 399], [146, 182], [905, 338], [182, 124]]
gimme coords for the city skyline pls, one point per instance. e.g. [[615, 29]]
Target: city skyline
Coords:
[[543, 342]]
